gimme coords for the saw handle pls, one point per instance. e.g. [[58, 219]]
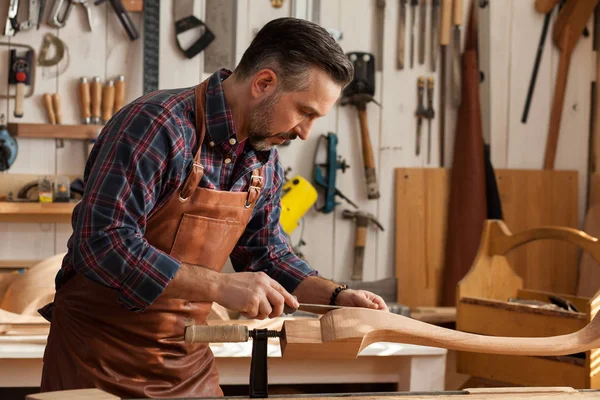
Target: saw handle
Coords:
[[446, 22], [367, 150], [545, 6], [216, 333]]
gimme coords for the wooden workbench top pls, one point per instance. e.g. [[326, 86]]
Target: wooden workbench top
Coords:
[[513, 393]]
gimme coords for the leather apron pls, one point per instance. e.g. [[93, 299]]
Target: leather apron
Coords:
[[95, 342]]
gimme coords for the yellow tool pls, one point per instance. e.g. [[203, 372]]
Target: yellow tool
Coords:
[[297, 198]]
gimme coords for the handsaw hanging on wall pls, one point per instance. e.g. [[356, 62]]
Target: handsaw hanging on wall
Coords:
[[571, 21]]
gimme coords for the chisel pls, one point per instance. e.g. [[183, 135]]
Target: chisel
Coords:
[[423, 29], [401, 29], [414, 4], [435, 27], [444, 42]]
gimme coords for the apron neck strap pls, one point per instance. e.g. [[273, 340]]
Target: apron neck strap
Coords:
[[193, 179]]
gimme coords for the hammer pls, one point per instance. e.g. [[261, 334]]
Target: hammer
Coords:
[[362, 221]]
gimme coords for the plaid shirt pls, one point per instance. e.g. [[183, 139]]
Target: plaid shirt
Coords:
[[140, 158]]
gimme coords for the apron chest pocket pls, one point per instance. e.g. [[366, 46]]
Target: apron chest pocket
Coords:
[[205, 241]]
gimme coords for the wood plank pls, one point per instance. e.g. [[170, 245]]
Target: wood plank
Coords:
[[48, 131], [530, 199], [421, 213], [535, 198]]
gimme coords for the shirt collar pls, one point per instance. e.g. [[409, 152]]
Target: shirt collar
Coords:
[[219, 119]]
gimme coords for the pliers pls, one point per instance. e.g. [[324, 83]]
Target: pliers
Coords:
[[55, 18]]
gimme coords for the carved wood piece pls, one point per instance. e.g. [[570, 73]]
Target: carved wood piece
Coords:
[[344, 333]]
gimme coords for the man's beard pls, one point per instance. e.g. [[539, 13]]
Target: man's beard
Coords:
[[261, 118]]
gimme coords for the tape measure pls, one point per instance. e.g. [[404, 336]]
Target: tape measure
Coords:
[[151, 45], [298, 196]]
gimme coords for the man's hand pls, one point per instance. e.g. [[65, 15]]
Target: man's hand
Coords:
[[360, 298], [253, 294]]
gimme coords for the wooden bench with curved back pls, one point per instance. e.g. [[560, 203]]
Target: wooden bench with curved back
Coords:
[[491, 300]]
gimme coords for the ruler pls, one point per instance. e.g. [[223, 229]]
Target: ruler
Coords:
[[151, 45]]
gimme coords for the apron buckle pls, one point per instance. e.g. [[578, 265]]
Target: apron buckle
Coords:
[[253, 193]]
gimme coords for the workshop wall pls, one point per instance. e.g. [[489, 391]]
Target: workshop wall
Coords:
[[508, 44]]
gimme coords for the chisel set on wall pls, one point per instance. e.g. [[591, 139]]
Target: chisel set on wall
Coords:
[[443, 19], [415, 17]]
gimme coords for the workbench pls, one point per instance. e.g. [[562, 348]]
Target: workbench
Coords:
[[410, 367], [512, 393]]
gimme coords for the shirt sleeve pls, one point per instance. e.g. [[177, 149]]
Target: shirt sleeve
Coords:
[[264, 246], [138, 158]]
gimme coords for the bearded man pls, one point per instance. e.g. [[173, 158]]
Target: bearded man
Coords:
[[178, 182]]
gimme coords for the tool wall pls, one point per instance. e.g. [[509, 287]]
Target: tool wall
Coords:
[[509, 32]]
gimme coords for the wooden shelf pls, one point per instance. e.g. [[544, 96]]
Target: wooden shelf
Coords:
[[133, 5], [16, 264], [48, 131], [13, 211]]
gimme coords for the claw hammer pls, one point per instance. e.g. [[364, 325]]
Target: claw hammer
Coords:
[[362, 220]]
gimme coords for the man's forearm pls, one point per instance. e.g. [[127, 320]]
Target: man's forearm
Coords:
[[315, 290], [193, 283]]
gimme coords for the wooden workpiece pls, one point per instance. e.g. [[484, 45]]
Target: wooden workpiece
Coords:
[[346, 332]]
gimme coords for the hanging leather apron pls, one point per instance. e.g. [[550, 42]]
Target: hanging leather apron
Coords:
[[95, 342]]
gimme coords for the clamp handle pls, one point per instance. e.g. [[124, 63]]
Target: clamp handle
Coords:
[[216, 333]]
